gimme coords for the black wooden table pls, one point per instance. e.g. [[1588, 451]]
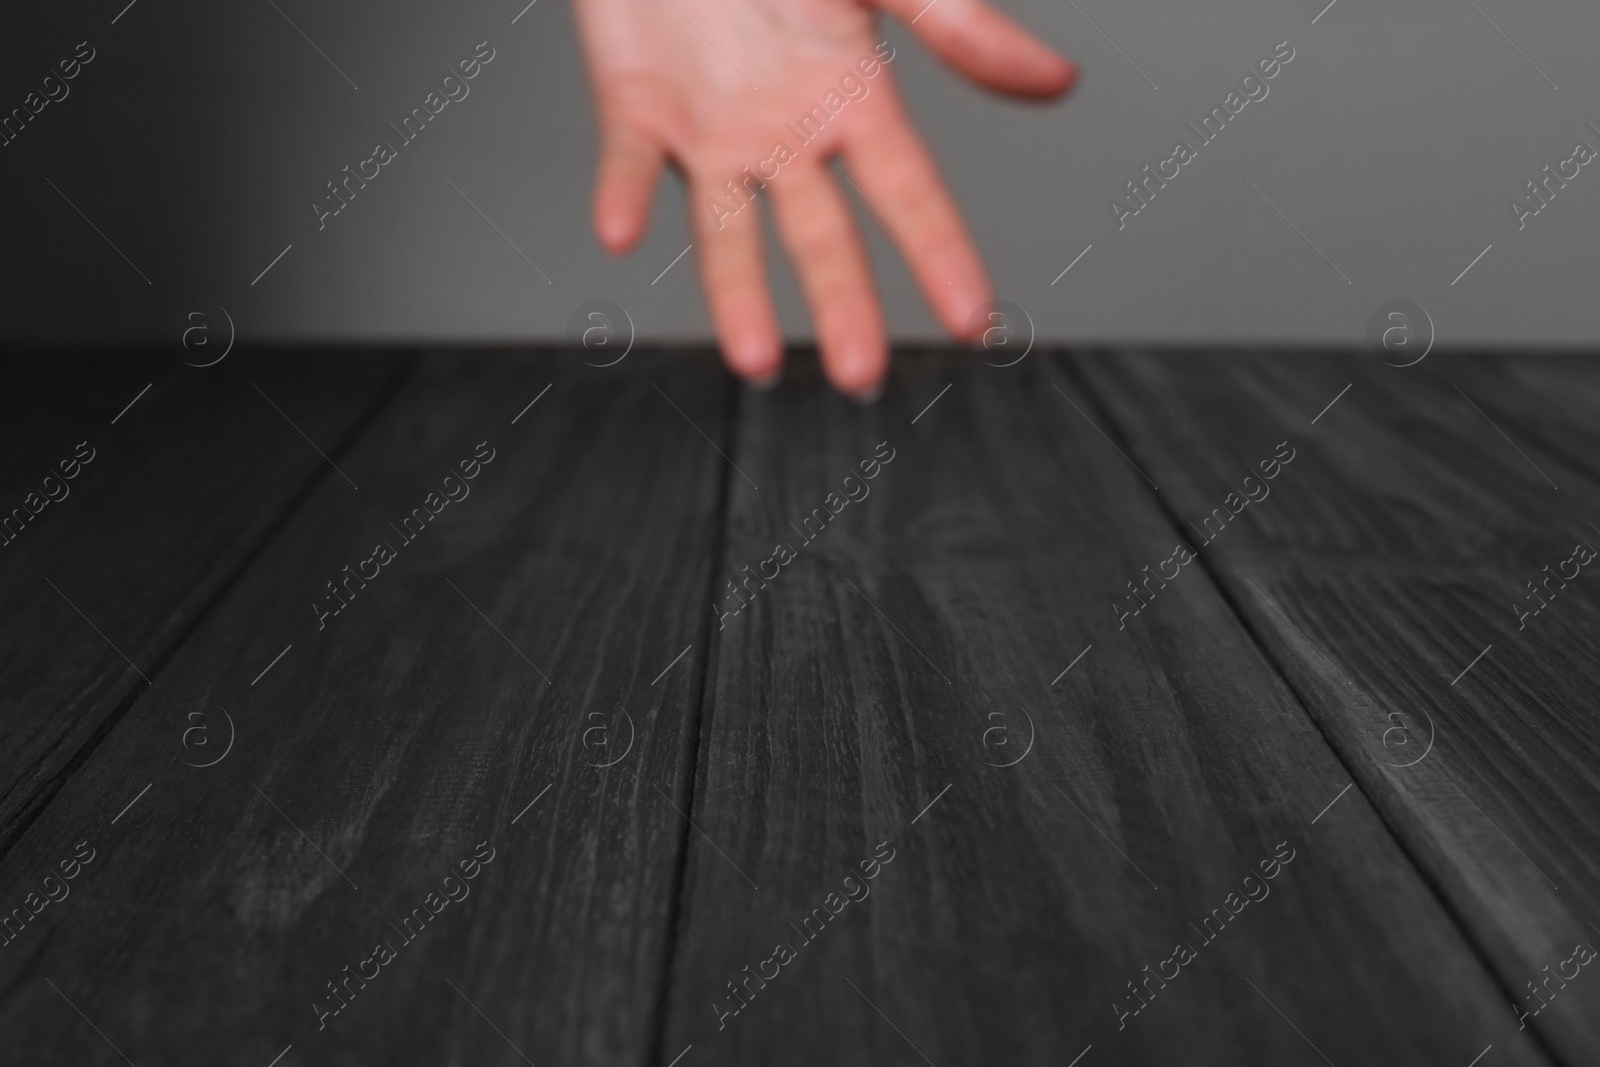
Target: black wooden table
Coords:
[[492, 708]]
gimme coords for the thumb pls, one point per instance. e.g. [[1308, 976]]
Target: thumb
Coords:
[[988, 47]]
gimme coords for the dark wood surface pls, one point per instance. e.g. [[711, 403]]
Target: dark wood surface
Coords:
[[1384, 562], [385, 747], [183, 489], [669, 794]]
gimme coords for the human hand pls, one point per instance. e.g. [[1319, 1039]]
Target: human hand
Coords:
[[716, 86]]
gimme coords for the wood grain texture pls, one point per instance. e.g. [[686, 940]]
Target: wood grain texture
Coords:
[[388, 747], [183, 487], [1384, 562], [856, 689], [471, 694]]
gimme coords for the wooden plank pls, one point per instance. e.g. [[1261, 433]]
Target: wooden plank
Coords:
[[852, 709], [177, 475], [1380, 571], [410, 733]]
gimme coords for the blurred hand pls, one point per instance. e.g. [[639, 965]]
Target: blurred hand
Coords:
[[716, 85]]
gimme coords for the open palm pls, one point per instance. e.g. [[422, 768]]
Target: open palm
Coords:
[[751, 98]]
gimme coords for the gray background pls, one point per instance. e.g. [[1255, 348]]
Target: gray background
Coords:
[[201, 133]]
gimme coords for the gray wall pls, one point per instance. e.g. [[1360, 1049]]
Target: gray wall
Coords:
[[201, 133]]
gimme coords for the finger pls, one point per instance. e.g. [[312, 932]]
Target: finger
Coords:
[[728, 249], [986, 46], [896, 176], [820, 236], [630, 165]]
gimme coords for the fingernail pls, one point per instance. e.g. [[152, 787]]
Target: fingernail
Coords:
[[762, 385], [869, 397]]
